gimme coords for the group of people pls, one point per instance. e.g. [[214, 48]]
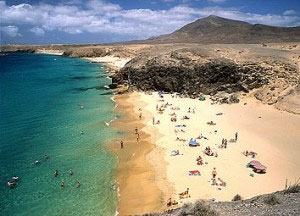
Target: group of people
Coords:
[[217, 181], [13, 182], [208, 150], [63, 184], [224, 143]]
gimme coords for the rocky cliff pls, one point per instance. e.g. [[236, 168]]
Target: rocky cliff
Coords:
[[192, 73]]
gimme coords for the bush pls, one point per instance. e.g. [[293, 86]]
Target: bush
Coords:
[[293, 189], [237, 198], [197, 209], [271, 200]]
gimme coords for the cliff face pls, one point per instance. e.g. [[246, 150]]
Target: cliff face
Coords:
[[191, 73], [180, 73]]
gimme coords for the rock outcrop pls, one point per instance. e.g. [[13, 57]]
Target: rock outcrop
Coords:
[[191, 74], [278, 203]]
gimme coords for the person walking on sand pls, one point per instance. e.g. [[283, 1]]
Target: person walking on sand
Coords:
[[122, 144], [214, 173], [236, 136], [136, 130], [138, 137], [153, 121], [140, 116]]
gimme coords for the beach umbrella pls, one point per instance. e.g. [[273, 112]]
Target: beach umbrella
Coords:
[[254, 162], [260, 167]]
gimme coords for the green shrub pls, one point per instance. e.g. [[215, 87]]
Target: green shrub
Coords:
[[197, 209], [237, 198], [271, 200]]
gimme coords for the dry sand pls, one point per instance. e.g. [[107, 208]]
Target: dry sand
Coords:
[[49, 51], [272, 134]]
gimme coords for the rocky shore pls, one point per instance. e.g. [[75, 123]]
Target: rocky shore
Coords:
[[278, 203]]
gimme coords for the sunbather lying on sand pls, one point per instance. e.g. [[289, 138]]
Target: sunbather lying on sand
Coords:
[[199, 160], [184, 194], [249, 153], [211, 123], [178, 139], [170, 203], [220, 182], [175, 153], [202, 137]]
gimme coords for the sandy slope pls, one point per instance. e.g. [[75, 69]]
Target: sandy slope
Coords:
[[113, 62]]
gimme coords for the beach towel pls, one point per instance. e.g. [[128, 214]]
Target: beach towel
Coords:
[[194, 173]]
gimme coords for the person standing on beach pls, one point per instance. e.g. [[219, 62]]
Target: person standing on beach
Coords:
[[140, 116], [122, 144], [136, 130], [138, 137], [214, 173], [153, 121], [236, 136]]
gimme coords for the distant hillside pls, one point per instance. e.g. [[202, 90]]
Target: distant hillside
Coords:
[[214, 29]]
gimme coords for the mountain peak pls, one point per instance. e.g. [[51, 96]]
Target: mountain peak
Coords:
[[215, 29]]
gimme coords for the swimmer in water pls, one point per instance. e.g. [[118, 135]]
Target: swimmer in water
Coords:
[[63, 184], [77, 184], [15, 178]]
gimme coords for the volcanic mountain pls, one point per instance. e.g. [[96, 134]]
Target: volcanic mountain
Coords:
[[214, 29]]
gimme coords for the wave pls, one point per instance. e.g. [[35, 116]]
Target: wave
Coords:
[[109, 122]]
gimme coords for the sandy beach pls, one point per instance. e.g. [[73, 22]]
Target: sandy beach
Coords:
[[49, 51], [272, 134], [141, 170], [112, 62]]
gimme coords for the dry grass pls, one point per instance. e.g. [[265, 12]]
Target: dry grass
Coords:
[[295, 188]]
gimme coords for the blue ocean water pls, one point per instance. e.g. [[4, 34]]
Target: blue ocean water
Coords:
[[41, 112]]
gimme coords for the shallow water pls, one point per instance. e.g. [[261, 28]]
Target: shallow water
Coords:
[[40, 113]]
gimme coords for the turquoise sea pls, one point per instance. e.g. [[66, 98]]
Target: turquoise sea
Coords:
[[57, 106]]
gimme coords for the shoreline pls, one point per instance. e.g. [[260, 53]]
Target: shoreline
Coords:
[[142, 190], [273, 143]]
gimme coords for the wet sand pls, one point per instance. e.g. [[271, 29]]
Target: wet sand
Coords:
[[141, 190]]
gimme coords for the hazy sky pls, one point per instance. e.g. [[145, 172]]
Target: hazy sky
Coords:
[[96, 21]]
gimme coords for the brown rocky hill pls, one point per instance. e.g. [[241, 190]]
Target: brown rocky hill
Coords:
[[214, 29]]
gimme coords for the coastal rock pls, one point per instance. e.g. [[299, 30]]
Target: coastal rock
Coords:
[[278, 203], [113, 86], [187, 73]]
